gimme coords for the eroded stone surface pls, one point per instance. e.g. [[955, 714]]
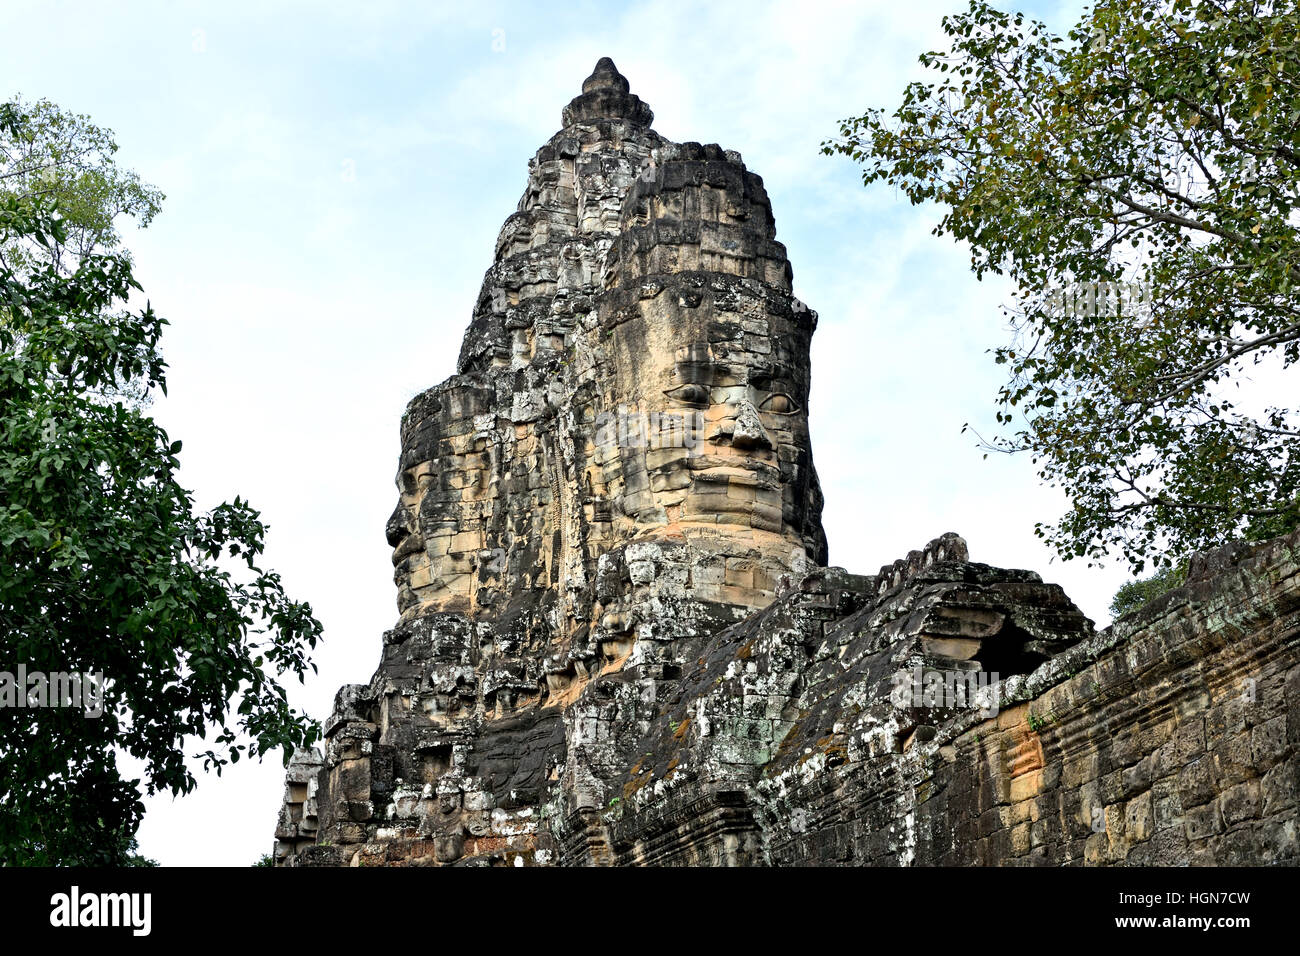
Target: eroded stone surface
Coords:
[[618, 642], [1167, 739]]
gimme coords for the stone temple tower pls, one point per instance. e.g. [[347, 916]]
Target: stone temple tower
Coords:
[[618, 641], [619, 468]]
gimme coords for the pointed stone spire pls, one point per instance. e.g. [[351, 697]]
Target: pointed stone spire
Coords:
[[606, 77], [606, 96]]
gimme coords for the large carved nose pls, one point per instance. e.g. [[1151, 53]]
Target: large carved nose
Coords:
[[748, 430], [398, 526]]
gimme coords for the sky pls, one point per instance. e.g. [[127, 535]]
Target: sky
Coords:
[[335, 177]]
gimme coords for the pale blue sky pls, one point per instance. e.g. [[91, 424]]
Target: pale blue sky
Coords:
[[335, 179]]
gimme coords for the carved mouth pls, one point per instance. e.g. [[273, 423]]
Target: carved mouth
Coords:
[[734, 490], [409, 545], [405, 596], [745, 470]]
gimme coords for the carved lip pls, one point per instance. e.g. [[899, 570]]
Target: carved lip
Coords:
[[406, 598], [412, 543], [734, 470]]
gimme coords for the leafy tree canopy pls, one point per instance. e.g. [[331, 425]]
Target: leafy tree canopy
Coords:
[[66, 160], [106, 568], [62, 157], [1135, 594], [1137, 181]]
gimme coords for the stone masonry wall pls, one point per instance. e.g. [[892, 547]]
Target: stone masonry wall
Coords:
[[1170, 738]]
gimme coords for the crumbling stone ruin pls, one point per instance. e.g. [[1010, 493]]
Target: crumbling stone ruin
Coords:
[[618, 640]]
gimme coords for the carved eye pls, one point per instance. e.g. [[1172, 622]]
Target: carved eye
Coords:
[[781, 403], [691, 394]]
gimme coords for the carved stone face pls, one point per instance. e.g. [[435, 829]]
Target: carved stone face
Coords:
[[436, 531], [696, 369], [731, 379], [410, 562]]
